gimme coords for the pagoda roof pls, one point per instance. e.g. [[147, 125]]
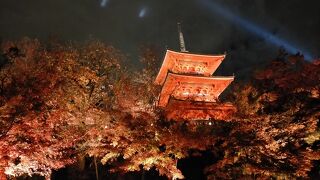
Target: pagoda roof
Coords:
[[187, 63], [194, 88]]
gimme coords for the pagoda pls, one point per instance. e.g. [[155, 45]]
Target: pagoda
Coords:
[[189, 91]]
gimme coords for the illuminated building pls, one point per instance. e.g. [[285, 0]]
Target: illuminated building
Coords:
[[189, 91]]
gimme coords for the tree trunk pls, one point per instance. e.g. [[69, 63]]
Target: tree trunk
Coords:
[[3, 176]]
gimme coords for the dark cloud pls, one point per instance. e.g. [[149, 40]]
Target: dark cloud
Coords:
[[118, 23]]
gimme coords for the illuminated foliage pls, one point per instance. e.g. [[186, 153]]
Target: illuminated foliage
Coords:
[[59, 103], [278, 133]]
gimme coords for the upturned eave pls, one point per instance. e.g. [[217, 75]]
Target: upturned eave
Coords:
[[187, 63]]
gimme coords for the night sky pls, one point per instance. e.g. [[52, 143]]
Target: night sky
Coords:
[[209, 26]]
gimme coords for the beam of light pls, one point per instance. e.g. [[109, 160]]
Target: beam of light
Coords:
[[254, 29], [103, 3], [142, 12]]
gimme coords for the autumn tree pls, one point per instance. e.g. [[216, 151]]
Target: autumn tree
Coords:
[[278, 131], [63, 102], [45, 95]]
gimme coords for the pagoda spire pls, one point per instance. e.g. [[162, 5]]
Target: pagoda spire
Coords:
[[181, 38]]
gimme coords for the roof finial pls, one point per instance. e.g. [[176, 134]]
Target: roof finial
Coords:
[[182, 44]]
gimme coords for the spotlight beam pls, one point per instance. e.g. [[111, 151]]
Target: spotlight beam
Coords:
[[222, 11], [103, 3]]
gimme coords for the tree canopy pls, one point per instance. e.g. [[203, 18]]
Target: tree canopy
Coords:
[[59, 103]]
